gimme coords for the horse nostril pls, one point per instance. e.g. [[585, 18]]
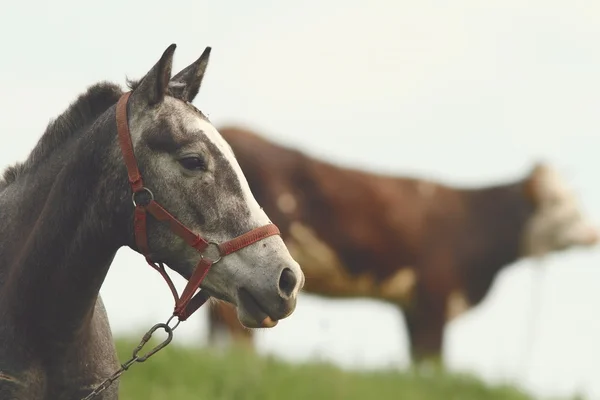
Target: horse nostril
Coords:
[[287, 282]]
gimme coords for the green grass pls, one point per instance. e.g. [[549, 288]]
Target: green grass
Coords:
[[201, 373]]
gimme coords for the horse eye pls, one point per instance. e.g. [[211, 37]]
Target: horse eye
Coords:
[[193, 163]]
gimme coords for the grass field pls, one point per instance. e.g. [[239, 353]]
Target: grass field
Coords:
[[190, 373]]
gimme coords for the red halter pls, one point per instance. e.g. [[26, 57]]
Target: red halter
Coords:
[[188, 302]]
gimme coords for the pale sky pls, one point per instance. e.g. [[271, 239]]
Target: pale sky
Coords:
[[470, 93]]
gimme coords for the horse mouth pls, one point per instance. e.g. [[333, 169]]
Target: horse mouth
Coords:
[[251, 314]]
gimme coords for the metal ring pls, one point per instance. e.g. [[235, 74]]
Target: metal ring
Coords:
[[139, 191], [218, 251], [169, 321], [202, 257]]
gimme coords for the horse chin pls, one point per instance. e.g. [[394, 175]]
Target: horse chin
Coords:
[[251, 322], [251, 314]]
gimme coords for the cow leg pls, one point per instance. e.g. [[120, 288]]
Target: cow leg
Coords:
[[223, 317], [425, 324]]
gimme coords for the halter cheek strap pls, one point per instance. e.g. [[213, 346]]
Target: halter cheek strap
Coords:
[[187, 303]]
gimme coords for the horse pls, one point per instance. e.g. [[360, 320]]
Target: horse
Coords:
[[79, 197], [430, 249]]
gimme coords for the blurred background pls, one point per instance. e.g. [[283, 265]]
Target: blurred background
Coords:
[[468, 93]]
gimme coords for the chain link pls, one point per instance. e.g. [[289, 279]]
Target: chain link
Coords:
[[136, 357]]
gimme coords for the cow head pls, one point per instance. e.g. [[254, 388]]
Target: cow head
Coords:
[[558, 222]]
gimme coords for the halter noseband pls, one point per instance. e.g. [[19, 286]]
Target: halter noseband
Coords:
[[187, 303]]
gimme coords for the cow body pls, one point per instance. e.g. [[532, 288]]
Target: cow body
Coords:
[[431, 249]]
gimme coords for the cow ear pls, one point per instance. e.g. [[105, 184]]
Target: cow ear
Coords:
[[540, 167], [153, 87], [544, 183], [534, 180], [186, 84]]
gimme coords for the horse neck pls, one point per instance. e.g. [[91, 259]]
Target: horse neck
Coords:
[[64, 224]]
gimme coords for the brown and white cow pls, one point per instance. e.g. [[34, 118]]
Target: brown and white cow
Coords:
[[431, 249]]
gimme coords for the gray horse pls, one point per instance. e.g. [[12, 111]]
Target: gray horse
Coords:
[[68, 208]]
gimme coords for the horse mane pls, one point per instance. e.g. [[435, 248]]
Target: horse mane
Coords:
[[85, 109]]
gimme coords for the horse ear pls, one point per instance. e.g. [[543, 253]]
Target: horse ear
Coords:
[[186, 84], [153, 86]]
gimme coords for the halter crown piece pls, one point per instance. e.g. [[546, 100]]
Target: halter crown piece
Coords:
[[187, 303]]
